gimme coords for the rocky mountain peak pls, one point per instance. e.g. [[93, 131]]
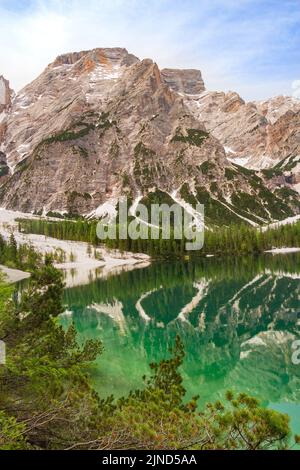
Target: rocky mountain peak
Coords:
[[88, 60], [5, 94], [274, 108], [255, 134], [232, 102], [98, 124], [187, 81]]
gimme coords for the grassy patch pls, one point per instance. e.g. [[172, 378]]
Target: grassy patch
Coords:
[[194, 137], [230, 174], [249, 203], [70, 134], [74, 195], [4, 170], [140, 150], [187, 196], [157, 197], [270, 173], [206, 167]]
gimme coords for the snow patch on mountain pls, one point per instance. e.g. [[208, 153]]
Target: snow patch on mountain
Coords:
[[288, 220]]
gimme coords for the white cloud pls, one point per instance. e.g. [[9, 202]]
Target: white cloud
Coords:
[[296, 88]]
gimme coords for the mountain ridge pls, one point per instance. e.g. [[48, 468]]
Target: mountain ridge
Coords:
[[101, 124]]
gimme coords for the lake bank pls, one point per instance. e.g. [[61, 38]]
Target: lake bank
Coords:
[[76, 250], [77, 256], [13, 275]]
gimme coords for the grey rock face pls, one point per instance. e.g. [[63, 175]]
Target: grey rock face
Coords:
[[106, 56], [4, 170], [95, 125], [99, 124], [257, 135], [261, 133], [187, 81], [5, 94], [69, 86]]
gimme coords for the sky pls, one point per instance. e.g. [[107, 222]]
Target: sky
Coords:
[[248, 46]]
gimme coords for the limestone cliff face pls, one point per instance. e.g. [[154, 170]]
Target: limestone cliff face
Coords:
[[6, 96], [69, 86], [262, 133], [99, 124], [96, 125], [187, 81], [256, 135]]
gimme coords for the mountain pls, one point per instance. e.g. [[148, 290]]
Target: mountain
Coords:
[[6, 95], [99, 124], [257, 135], [230, 316]]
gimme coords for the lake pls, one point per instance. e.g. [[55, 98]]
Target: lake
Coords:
[[237, 317]]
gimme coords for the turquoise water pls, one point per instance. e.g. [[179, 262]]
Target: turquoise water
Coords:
[[237, 317]]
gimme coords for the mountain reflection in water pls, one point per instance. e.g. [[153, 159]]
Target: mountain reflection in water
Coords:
[[237, 319]]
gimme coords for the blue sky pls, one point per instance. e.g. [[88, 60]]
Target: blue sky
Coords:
[[250, 46]]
